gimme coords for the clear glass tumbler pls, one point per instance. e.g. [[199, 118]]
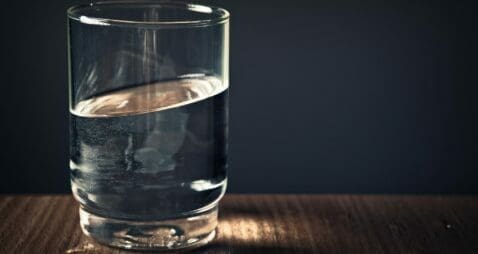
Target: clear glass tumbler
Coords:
[[149, 120]]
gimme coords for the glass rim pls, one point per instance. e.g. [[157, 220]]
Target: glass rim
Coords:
[[216, 15]]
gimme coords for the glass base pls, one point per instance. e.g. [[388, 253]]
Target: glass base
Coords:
[[188, 232]]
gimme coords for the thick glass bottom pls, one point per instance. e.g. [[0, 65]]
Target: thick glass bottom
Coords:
[[187, 232]]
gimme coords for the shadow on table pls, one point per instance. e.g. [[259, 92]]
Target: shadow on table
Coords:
[[92, 247], [252, 227], [218, 248]]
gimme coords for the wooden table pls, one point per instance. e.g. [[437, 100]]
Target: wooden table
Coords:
[[271, 224]]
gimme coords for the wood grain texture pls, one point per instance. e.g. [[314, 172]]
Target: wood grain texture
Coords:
[[271, 224]]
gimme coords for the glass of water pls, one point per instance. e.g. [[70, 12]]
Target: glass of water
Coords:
[[149, 120]]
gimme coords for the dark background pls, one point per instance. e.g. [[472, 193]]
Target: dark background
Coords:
[[326, 96]]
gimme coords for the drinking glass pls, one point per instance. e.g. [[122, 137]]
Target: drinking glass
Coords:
[[148, 89]]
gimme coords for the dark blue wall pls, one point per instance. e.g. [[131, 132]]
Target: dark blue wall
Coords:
[[326, 96]]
